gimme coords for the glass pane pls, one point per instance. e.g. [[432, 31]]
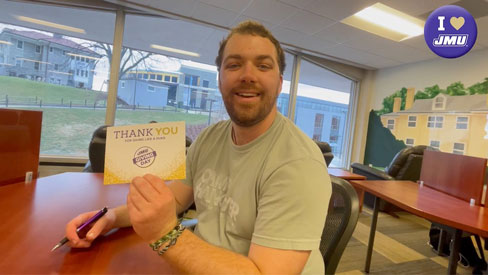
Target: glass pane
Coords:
[[321, 91], [63, 73], [284, 97], [187, 89]]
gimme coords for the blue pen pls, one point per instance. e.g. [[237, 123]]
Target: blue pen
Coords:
[[89, 221]]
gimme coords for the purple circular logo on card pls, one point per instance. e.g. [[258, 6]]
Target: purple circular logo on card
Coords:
[[450, 31], [144, 157]]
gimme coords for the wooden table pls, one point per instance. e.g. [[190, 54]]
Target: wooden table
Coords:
[[34, 217], [343, 174], [427, 203]]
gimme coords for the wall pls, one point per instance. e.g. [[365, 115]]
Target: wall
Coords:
[[468, 69]]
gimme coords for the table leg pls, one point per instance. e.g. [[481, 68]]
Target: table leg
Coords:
[[372, 231], [360, 193], [454, 257]]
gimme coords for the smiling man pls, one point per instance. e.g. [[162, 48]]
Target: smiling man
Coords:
[[260, 185]]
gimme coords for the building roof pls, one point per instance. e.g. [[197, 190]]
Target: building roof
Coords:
[[58, 40], [454, 104]]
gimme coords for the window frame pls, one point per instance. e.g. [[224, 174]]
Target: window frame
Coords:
[[459, 151], [408, 144], [388, 124], [414, 122], [458, 123]]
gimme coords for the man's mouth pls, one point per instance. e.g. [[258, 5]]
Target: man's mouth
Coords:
[[248, 95]]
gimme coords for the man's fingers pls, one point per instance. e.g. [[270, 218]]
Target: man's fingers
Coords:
[[98, 227], [145, 189], [157, 183]]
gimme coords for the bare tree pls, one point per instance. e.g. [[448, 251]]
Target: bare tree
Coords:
[[131, 59]]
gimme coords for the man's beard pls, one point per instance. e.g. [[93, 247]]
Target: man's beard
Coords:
[[247, 115]]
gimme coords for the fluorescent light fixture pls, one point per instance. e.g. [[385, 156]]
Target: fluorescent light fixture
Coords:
[[56, 72], [386, 22], [5, 42], [168, 49], [50, 24], [80, 55], [31, 60]]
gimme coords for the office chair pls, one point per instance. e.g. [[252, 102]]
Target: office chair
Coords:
[[326, 151], [405, 165], [340, 223], [96, 150]]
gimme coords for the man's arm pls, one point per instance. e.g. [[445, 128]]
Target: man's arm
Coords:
[[192, 255], [151, 206]]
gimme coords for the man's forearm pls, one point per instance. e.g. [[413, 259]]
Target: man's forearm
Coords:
[[191, 254], [121, 217]]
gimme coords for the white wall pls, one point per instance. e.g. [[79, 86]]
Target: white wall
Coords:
[[469, 69]]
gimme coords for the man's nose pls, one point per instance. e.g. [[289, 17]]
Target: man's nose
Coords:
[[248, 73]]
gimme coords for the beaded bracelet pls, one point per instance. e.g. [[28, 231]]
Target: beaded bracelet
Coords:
[[171, 237]]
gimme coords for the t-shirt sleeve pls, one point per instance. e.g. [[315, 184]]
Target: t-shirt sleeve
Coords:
[[292, 206], [190, 153]]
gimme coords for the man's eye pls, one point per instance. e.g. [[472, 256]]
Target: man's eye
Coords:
[[232, 66], [264, 66]]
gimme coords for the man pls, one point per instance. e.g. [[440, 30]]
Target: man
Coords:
[[260, 185]]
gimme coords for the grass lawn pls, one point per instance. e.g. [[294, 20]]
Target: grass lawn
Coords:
[[68, 131], [19, 90]]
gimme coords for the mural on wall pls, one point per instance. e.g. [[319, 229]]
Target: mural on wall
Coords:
[[453, 120]]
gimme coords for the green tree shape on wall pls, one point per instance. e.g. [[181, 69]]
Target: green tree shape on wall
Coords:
[[381, 144], [455, 89]]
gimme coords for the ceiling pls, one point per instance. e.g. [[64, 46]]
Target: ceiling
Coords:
[[311, 26]]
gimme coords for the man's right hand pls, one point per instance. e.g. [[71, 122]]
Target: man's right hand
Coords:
[[102, 226]]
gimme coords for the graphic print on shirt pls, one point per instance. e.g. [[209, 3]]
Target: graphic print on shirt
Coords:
[[211, 192]]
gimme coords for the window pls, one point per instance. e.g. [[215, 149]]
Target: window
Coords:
[[152, 76], [462, 122], [334, 125], [20, 44], [159, 77], [150, 88], [320, 91], [122, 84], [56, 67], [439, 102], [77, 57], [435, 143], [435, 121], [409, 142], [18, 62], [319, 123], [205, 83], [412, 121], [82, 59], [146, 76], [167, 78], [174, 79], [458, 148], [390, 124], [64, 52], [36, 66], [139, 76], [77, 72], [38, 49], [51, 49]]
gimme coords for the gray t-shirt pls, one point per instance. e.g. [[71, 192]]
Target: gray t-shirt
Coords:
[[273, 191]]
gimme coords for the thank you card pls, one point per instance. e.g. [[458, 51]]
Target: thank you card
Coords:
[[135, 150]]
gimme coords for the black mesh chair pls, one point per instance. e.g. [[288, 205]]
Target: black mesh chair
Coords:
[[326, 151], [96, 150], [341, 221]]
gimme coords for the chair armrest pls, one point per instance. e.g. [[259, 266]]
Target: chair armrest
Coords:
[[369, 172], [88, 167]]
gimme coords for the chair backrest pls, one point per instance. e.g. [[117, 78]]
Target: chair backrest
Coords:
[[407, 163], [340, 223], [96, 149], [326, 151]]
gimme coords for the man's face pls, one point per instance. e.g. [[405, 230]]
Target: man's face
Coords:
[[249, 78]]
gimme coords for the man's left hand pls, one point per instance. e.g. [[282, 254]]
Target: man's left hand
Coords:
[[151, 206]]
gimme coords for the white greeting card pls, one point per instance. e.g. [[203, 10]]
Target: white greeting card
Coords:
[[154, 148]]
